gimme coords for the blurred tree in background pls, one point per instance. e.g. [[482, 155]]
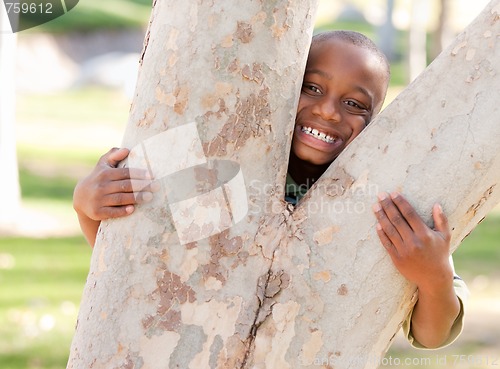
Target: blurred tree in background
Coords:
[[9, 183]]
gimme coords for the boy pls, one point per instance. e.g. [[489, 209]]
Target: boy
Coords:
[[344, 87]]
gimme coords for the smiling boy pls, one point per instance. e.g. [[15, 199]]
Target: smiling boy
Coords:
[[344, 87]]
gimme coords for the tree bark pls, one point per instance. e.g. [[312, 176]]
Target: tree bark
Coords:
[[9, 185], [224, 80], [175, 286]]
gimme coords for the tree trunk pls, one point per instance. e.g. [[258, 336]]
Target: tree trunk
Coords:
[[417, 52], [441, 34], [224, 80], [218, 272], [9, 185], [387, 33]]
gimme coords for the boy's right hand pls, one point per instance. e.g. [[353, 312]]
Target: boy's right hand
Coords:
[[112, 192]]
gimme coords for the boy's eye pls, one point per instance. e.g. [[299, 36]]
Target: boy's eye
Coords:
[[311, 88], [355, 105]]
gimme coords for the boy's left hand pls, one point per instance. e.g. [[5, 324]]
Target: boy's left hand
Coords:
[[421, 254]]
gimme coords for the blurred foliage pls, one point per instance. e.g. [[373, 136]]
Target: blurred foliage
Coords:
[[398, 66], [479, 252], [91, 15], [56, 186]]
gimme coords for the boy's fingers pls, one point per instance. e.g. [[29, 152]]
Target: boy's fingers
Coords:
[[387, 226], [118, 174], [136, 173], [386, 242], [134, 185], [115, 156], [130, 198], [409, 213], [119, 199], [395, 217], [440, 221], [143, 197], [117, 211]]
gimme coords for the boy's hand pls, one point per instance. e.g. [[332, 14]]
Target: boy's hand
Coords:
[[421, 254], [111, 192]]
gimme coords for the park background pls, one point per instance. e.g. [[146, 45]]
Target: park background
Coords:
[[74, 79]]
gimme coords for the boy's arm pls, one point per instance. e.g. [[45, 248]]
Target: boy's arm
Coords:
[[421, 254], [110, 192], [89, 227], [434, 315]]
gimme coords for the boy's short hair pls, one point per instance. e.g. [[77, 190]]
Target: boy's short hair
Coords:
[[357, 39]]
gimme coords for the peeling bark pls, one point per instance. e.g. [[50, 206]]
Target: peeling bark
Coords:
[[281, 288]]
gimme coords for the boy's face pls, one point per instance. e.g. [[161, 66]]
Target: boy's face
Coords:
[[344, 87]]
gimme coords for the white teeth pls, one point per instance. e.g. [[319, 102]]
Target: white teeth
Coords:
[[317, 134]]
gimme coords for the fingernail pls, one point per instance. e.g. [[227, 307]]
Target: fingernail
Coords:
[[148, 196], [376, 207], [129, 209], [382, 196], [395, 195]]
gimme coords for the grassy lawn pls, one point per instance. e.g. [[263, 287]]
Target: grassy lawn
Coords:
[[41, 282]]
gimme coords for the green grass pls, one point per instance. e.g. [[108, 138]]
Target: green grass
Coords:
[[479, 253], [41, 282], [69, 129], [56, 187], [77, 107]]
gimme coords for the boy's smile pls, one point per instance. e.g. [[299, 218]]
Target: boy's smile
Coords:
[[344, 87], [315, 136]]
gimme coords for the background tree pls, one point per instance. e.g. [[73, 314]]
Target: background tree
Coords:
[[282, 288], [9, 185], [387, 33], [417, 33], [441, 34]]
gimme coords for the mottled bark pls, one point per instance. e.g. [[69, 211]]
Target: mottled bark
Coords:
[[227, 77], [437, 142], [280, 288]]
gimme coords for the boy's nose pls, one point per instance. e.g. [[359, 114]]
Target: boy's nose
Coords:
[[327, 109]]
